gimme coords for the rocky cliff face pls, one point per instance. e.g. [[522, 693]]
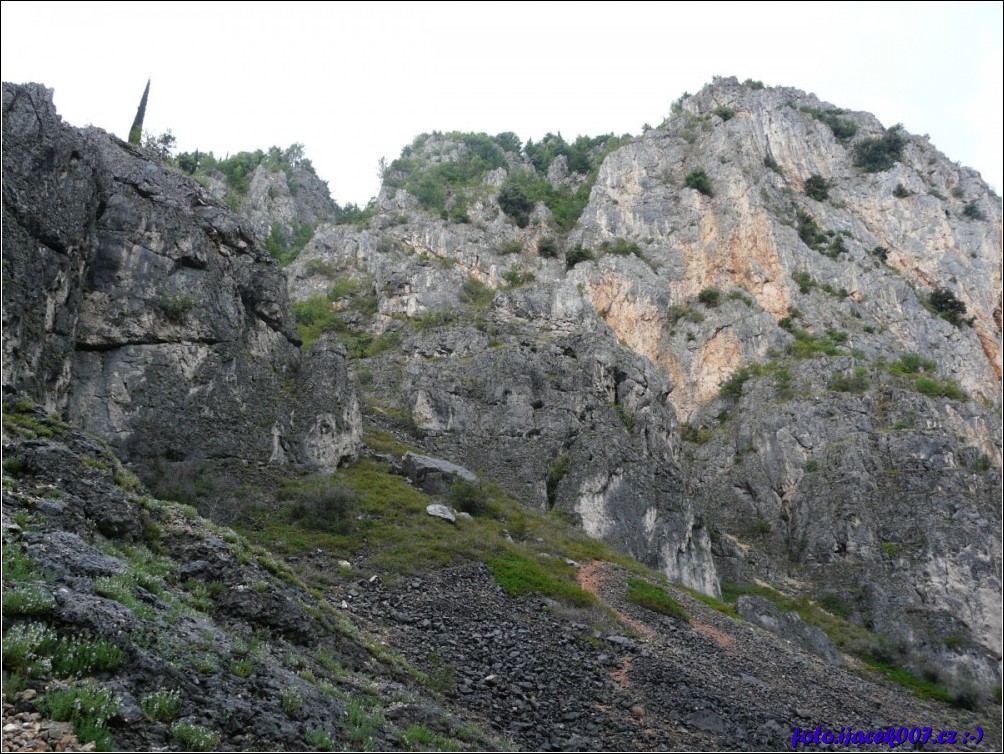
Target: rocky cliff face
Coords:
[[760, 344], [767, 269], [144, 310]]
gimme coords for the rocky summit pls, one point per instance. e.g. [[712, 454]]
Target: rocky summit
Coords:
[[686, 440]]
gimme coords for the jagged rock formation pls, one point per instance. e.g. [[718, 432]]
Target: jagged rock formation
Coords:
[[144, 310], [760, 240]]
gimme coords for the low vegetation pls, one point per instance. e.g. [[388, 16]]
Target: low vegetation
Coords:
[[699, 181], [842, 128], [655, 598], [880, 153]]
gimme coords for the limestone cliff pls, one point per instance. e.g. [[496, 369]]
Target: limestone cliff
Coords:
[[815, 297]]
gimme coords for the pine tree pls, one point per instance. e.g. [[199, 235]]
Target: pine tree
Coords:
[[136, 132]]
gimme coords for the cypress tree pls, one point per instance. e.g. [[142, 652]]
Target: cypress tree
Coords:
[[136, 132]]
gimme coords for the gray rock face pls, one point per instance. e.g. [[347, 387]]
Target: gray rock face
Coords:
[[579, 424], [45, 163], [788, 626], [879, 500], [143, 309]]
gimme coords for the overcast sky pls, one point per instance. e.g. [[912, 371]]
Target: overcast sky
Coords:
[[355, 82]]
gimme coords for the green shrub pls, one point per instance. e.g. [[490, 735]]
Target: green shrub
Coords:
[[620, 247], [291, 701], [804, 280], [944, 302], [817, 187], [554, 476], [833, 604], [175, 307], [733, 386], [362, 724], [856, 382], [901, 192], [770, 162], [514, 278], [476, 294], [88, 706], [946, 388], [842, 128], [913, 363], [880, 153], [891, 549], [835, 248], [725, 113], [162, 706], [511, 247], [515, 202], [656, 599], [79, 657], [812, 465], [319, 739], [28, 599], [519, 574], [626, 418], [14, 466], [973, 212], [699, 181], [242, 668], [676, 312], [320, 503], [547, 247], [576, 255], [196, 737], [695, 434], [710, 297], [434, 318], [810, 233], [509, 142], [468, 497], [980, 463], [881, 253], [753, 84]]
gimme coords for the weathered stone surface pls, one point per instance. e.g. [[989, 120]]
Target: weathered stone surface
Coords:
[[788, 626], [441, 511], [142, 308]]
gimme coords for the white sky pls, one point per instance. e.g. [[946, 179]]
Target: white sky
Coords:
[[356, 81]]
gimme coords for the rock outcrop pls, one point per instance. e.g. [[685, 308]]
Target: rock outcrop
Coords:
[[145, 311]]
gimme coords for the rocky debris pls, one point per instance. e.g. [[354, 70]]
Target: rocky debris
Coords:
[[434, 475], [546, 677], [29, 731]]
